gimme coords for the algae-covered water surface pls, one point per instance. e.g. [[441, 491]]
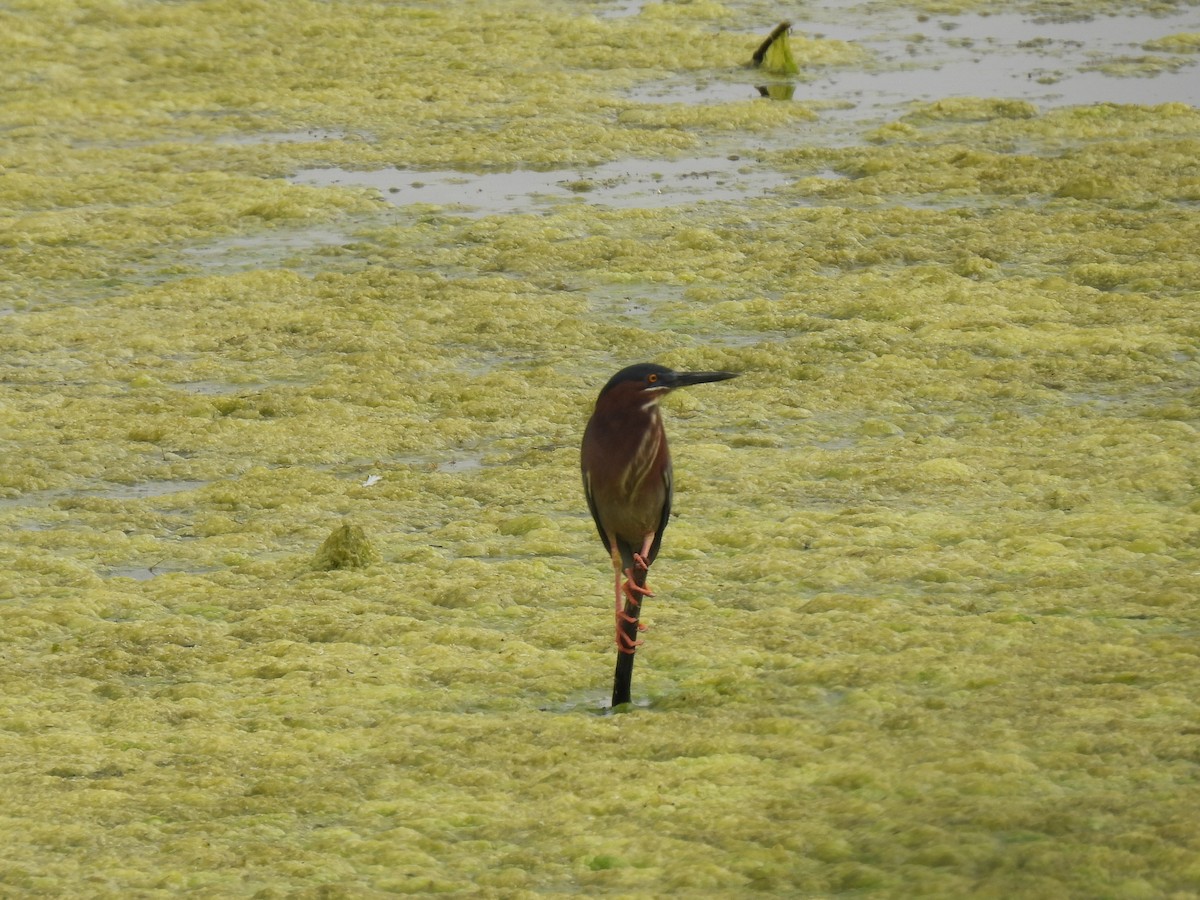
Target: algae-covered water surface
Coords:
[[303, 308]]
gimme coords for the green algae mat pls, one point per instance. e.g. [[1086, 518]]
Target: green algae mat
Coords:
[[299, 595]]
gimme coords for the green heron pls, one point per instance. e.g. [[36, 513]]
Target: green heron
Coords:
[[627, 479]]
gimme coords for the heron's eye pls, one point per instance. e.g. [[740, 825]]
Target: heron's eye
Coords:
[[651, 378]]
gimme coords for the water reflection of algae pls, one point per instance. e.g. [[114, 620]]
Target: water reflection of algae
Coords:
[[927, 620]]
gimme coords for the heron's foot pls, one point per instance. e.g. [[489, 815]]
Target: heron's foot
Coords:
[[640, 561], [631, 588], [623, 616], [626, 644]]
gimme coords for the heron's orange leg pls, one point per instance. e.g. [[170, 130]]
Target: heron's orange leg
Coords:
[[622, 592], [642, 560], [625, 645], [630, 589]]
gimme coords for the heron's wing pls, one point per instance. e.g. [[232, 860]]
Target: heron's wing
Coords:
[[669, 488], [591, 502]]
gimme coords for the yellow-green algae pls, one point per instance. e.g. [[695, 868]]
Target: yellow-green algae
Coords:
[[1184, 42], [926, 621], [347, 547]]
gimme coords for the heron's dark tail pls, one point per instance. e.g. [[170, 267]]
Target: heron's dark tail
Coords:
[[623, 678]]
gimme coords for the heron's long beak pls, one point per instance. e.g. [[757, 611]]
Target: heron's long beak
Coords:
[[684, 379]]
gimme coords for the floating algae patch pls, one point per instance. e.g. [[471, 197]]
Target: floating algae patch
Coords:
[[924, 619], [1185, 42], [1082, 153]]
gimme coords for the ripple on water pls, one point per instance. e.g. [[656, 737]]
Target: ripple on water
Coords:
[[67, 497], [627, 183], [145, 489], [146, 573], [239, 254], [597, 703]]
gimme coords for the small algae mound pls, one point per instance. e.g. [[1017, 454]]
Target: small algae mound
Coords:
[[970, 109], [347, 547]]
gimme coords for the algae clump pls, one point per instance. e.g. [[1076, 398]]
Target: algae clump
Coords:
[[347, 547]]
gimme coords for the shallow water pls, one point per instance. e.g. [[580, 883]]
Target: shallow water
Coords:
[[1027, 56], [239, 254], [630, 183]]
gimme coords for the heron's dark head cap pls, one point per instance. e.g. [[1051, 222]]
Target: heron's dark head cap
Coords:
[[651, 378]]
